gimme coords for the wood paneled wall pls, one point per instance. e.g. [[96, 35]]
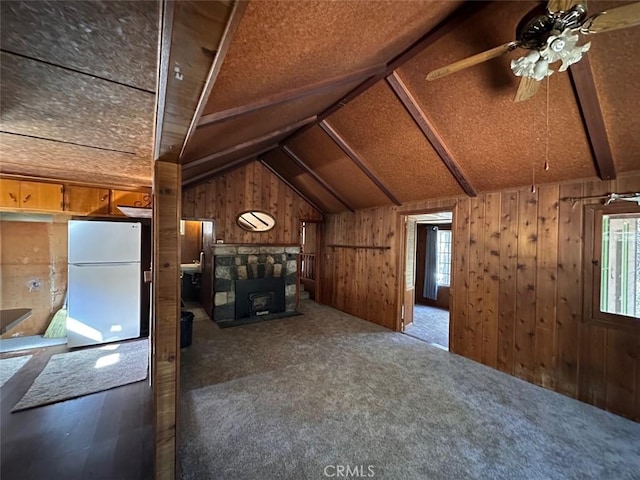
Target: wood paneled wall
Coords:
[[363, 281], [252, 187], [33, 271], [516, 288]]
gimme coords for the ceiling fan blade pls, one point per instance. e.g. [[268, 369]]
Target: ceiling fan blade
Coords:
[[471, 61], [564, 5], [526, 89], [614, 19]]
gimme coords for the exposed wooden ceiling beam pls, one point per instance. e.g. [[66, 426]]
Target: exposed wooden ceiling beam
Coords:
[[587, 95], [460, 15], [290, 95], [228, 167], [248, 144], [232, 25], [190, 31], [315, 176], [290, 185], [410, 103], [340, 141]]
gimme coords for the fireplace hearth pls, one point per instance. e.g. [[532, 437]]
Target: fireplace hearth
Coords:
[[254, 282]]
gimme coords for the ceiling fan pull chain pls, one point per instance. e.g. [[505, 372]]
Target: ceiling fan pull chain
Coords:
[[546, 143]]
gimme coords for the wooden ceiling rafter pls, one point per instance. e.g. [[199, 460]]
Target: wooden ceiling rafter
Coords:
[[587, 97], [246, 159], [290, 185], [427, 128], [298, 161], [248, 144], [229, 32], [290, 95], [360, 163], [460, 15], [190, 30]]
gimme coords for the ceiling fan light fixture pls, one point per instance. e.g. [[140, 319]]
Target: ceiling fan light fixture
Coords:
[[532, 65], [564, 47]]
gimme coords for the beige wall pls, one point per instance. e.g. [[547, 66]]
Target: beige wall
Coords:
[[33, 275]]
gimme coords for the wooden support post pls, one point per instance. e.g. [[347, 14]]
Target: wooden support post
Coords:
[[165, 364]]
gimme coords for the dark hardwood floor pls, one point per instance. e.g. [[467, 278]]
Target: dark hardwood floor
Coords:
[[106, 435]]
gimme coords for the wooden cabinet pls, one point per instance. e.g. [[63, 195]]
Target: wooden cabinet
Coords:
[[129, 199], [71, 199], [9, 193], [17, 194], [86, 200]]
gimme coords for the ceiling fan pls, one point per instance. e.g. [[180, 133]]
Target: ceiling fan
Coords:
[[551, 36]]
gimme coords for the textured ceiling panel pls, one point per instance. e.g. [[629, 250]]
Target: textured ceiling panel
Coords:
[[615, 65], [46, 101], [496, 141], [331, 164], [304, 182], [282, 44], [225, 134], [117, 40], [378, 128], [32, 156]]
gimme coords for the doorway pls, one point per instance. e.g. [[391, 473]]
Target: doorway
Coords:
[[309, 260], [429, 244], [196, 264]]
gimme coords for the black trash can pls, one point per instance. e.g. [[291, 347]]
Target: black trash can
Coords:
[[186, 328]]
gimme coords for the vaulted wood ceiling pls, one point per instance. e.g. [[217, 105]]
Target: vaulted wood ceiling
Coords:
[[330, 95], [366, 130]]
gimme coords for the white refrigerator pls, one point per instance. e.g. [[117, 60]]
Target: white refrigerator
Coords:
[[103, 302]]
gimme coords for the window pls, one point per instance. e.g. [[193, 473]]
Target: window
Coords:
[[444, 257], [612, 264]]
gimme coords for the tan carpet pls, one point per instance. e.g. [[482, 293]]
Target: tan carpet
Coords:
[[10, 366], [75, 374]]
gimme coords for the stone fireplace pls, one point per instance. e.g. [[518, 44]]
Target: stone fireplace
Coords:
[[251, 281]]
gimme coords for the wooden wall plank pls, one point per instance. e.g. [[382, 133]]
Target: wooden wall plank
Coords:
[[475, 299], [526, 286], [620, 374], [165, 366], [546, 285], [491, 279], [569, 293], [507, 288], [460, 270]]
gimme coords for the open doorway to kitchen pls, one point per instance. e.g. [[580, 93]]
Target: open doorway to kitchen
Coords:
[[428, 277]]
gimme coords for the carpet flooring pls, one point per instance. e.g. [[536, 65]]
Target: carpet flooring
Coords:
[[75, 374], [291, 398], [10, 366], [430, 324]]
